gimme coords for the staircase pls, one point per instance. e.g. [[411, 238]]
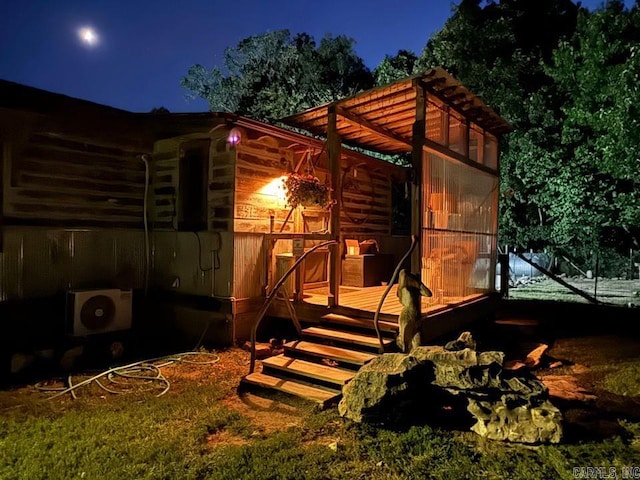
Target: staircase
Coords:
[[327, 356]]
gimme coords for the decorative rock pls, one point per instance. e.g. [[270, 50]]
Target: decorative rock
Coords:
[[465, 340], [505, 405], [380, 391], [20, 361], [70, 357], [524, 386], [526, 423], [263, 350], [461, 369], [534, 357], [514, 365], [489, 357]]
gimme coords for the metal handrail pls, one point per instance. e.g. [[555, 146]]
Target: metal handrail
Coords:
[[271, 296], [414, 242]]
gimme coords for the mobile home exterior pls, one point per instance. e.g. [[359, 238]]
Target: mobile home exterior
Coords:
[[188, 213]]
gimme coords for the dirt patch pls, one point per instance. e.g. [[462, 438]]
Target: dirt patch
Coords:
[[218, 370], [589, 367], [221, 367], [268, 413]]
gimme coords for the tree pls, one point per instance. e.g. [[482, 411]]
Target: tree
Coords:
[[273, 75], [597, 72], [393, 68], [568, 80], [498, 50]]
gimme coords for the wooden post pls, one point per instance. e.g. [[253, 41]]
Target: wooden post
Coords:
[[334, 150], [480, 147], [465, 138], [417, 205], [267, 279], [445, 126], [503, 258], [4, 187], [298, 275]]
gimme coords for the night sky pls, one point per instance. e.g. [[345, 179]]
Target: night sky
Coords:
[[144, 47]]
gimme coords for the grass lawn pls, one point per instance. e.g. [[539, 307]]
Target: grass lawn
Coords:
[[202, 429]]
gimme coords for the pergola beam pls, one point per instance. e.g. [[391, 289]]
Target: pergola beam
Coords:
[[349, 116]]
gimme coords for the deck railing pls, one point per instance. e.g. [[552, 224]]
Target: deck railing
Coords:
[[414, 242], [272, 295]]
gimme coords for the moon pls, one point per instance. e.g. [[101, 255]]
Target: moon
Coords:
[[88, 36]]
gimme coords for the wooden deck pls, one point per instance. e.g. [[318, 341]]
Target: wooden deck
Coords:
[[328, 353], [366, 299], [360, 304]]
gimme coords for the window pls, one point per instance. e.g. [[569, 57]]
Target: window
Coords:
[[490, 157], [435, 123], [457, 134], [475, 144]]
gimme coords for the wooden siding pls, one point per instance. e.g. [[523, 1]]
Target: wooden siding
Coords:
[[164, 184], [165, 195], [366, 199], [220, 193], [54, 179], [260, 165]]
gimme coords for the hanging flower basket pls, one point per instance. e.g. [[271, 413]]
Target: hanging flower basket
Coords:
[[307, 191]]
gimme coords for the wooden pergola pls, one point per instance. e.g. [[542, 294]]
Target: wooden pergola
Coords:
[[392, 120]]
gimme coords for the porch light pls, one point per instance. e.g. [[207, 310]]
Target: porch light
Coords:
[[234, 137], [275, 188]]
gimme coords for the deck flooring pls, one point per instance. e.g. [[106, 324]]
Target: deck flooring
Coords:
[[367, 299]]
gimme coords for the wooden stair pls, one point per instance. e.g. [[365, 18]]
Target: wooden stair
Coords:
[[328, 355], [363, 324]]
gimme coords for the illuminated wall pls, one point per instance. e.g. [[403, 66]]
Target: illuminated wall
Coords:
[[460, 218]]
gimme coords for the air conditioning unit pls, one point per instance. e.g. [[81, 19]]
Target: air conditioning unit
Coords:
[[91, 312]]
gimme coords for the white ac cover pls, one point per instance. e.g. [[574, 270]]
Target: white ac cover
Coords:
[[90, 312]]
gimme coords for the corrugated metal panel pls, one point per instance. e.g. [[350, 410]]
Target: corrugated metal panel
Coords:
[[176, 263], [193, 264], [38, 261], [129, 259], [11, 265], [93, 258], [46, 262]]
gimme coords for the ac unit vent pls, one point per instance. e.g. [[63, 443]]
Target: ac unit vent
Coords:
[[91, 312]]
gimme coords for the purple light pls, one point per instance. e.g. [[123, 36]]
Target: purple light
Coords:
[[235, 135]]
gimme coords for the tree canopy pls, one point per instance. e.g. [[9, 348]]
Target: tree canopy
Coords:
[[567, 80], [395, 67], [597, 74], [275, 74]]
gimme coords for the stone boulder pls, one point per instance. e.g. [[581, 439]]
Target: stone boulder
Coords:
[[397, 388], [383, 391], [504, 419], [461, 369], [505, 405]]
